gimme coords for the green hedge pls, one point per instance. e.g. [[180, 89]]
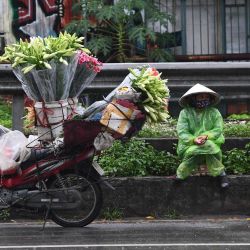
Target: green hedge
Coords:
[[232, 128], [138, 158], [5, 114]]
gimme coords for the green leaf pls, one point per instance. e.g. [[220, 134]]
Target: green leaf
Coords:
[[160, 55], [141, 33], [102, 45], [108, 12]]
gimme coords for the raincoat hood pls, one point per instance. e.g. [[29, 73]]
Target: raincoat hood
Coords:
[[198, 89]]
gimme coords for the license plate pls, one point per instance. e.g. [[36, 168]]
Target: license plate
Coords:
[[98, 169]]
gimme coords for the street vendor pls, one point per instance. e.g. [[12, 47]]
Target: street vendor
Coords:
[[200, 133]]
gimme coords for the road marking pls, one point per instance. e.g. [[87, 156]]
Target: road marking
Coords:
[[125, 245]]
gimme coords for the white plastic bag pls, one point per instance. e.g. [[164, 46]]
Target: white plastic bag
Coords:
[[33, 141], [13, 150], [99, 106], [3, 130], [103, 141]]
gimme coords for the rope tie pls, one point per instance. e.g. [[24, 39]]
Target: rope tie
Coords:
[[73, 109], [45, 111]]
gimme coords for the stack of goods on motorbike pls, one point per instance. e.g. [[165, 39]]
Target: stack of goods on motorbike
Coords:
[[54, 72], [142, 96]]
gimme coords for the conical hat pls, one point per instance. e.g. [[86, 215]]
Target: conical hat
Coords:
[[198, 89]]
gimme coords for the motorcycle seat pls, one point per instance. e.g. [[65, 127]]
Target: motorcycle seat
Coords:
[[35, 156]]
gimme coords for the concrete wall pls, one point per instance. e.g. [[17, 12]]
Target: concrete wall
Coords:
[[164, 198], [159, 196], [168, 144]]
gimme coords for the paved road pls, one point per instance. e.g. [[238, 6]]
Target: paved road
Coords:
[[174, 235]]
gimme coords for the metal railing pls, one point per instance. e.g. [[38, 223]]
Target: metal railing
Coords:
[[214, 28], [230, 79]]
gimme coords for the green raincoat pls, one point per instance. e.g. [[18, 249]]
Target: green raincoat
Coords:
[[191, 124]]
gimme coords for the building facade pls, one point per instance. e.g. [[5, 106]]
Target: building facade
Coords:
[[209, 29], [202, 29]]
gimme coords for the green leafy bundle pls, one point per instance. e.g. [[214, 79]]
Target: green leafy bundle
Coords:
[[154, 93]]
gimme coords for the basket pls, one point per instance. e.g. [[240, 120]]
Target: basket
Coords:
[[80, 133]]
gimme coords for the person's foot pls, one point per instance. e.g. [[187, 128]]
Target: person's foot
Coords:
[[224, 182]]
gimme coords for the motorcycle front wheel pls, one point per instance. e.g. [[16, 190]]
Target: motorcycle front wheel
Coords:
[[90, 194]]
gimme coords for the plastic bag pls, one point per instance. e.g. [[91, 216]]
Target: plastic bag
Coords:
[[125, 83], [99, 106], [3, 130], [13, 150], [93, 109], [127, 93], [103, 141], [33, 141]]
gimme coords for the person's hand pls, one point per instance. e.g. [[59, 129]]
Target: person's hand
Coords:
[[200, 140]]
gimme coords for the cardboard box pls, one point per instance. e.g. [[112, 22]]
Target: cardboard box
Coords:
[[117, 117]]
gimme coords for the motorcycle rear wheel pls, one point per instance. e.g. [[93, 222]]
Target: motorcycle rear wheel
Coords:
[[91, 201]]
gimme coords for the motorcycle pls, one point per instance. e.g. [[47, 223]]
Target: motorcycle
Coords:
[[63, 180], [62, 176]]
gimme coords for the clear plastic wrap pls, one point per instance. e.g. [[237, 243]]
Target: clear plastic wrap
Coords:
[[45, 80], [49, 84], [82, 79], [28, 84], [54, 84]]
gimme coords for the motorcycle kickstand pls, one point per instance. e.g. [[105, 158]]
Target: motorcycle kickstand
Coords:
[[46, 214]]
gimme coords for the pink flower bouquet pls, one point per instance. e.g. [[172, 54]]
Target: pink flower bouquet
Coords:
[[87, 68]]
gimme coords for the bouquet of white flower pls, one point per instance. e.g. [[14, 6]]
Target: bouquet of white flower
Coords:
[[52, 68]]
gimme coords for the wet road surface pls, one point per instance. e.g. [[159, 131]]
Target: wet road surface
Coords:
[[174, 235]]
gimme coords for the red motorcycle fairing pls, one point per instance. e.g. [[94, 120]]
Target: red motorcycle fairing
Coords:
[[44, 168]]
